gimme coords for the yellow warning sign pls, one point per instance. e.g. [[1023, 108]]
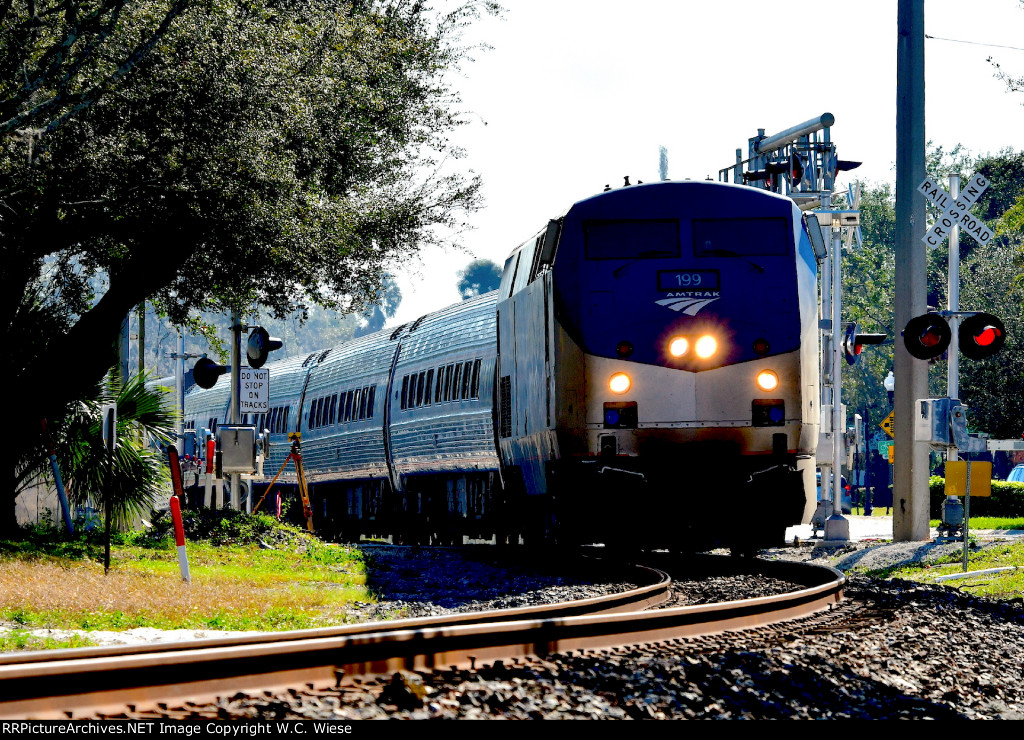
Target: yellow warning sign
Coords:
[[956, 478], [887, 424]]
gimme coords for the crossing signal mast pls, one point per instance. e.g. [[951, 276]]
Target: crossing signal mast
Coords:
[[801, 162], [257, 349], [206, 372]]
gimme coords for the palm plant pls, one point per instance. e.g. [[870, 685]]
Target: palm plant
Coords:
[[128, 481]]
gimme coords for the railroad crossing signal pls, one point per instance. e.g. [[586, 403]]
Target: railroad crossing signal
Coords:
[[980, 336], [887, 424], [853, 342], [955, 212], [927, 336], [260, 345], [206, 371]]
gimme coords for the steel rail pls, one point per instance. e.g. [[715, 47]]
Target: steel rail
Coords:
[[655, 591], [81, 683]]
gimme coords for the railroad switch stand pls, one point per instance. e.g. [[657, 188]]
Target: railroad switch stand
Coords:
[[294, 455]]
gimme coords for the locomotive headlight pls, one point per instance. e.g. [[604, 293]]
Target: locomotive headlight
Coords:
[[706, 346], [678, 346], [619, 383], [767, 380]]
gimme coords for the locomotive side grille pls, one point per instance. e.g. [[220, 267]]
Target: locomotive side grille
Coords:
[[506, 405]]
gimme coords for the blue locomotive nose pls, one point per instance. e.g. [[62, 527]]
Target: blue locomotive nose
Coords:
[[640, 268]]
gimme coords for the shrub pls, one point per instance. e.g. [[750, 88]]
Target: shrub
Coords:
[[1007, 499]]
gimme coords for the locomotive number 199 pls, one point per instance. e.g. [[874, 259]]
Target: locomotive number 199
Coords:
[[688, 280]]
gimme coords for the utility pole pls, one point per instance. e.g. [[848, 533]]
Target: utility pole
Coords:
[[233, 412], [141, 313], [910, 482], [124, 351]]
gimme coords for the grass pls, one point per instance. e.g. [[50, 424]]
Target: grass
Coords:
[[237, 583], [1006, 585], [989, 522], [876, 511], [19, 640]]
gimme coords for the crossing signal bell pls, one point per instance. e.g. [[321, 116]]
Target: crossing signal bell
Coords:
[[928, 336], [981, 336], [853, 343]]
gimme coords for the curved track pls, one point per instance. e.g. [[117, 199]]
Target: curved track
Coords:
[[90, 681]]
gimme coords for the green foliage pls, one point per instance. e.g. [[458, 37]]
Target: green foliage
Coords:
[[868, 279], [21, 640], [992, 389], [222, 527], [249, 572], [260, 156], [1007, 499], [38, 541], [136, 474]]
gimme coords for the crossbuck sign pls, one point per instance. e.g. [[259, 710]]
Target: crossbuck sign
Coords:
[[955, 212]]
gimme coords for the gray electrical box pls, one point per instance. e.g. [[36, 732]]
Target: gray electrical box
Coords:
[[237, 447], [931, 422], [942, 422], [958, 427]]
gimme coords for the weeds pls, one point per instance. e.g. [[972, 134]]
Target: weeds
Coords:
[[19, 640], [1007, 585], [249, 572]]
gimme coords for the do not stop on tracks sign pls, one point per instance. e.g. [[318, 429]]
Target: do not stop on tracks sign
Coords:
[[253, 390]]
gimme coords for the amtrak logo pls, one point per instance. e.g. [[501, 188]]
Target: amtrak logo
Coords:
[[689, 303]]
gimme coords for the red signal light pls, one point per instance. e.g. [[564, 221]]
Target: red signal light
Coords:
[[988, 335], [981, 336], [796, 170], [927, 336]]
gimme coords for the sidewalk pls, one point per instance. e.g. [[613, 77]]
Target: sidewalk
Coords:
[[866, 528]]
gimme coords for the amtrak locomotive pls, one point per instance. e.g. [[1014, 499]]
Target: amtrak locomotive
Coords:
[[650, 361]]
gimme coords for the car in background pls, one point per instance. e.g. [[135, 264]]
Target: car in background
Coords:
[[1016, 475], [847, 503]]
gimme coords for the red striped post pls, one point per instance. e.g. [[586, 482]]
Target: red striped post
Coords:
[[179, 527], [179, 539], [211, 453]]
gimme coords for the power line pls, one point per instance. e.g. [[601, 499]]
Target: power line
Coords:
[[973, 43]]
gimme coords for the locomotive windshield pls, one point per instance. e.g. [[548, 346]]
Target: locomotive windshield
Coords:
[[741, 237], [631, 238]]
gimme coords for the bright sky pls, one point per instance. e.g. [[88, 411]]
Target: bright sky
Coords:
[[576, 94]]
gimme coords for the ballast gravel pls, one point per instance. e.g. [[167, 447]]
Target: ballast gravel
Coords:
[[902, 651]]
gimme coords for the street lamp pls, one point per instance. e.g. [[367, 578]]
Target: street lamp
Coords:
[[890, 385]]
